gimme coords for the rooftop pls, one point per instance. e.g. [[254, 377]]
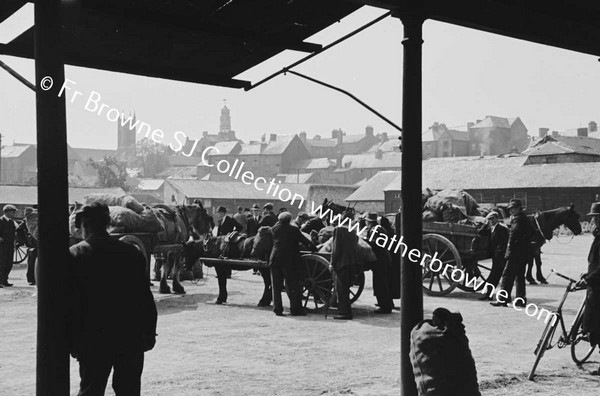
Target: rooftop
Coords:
[[27, 195], [372, 189], [369, 160], [230, 190]]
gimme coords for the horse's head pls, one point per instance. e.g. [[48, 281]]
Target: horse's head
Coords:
[[570, 219], [263, 242], [198, 217]]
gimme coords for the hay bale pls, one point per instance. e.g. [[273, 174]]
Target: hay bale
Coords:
[[126, 201], [149, 222], [124, 218]]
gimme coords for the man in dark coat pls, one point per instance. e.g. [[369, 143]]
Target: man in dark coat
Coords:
[[382, 269], [591, 315], [269, 217], [7, 243], [498, 236], [241, 218], [253, 221], [225, 224], [517, 254], [111, 329], [286, 264]]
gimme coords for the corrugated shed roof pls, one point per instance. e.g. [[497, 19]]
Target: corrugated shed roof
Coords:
[[180, 172], [366, 161], [494, 122], [225, 148], [279, 146], [13, 151], [150, 184], [232, 190], [564, 145], [372, 189], [27, 195], [496, 173]]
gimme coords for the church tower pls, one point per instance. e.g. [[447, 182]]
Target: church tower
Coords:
[[126, 137], [225, 126]]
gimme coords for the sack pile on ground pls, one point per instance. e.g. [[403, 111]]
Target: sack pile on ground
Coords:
[[450, 206]]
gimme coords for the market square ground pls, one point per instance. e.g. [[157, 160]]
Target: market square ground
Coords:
[[239, 349]]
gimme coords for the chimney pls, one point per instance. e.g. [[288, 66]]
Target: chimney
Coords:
[[205, 134], [369, 130], [469, 126], [263, 146], [478, 121], [592, 126], [384, 137], [582, 132], [302, 136], [554, 133], [543, 132], [273, 137], [334, 133], [379, 154]]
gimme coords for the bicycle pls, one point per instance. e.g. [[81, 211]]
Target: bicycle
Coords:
[[573, 337]]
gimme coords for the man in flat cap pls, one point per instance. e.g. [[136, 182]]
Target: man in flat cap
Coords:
[[591, 280], [111, 329], [269, 217], [7, 243], [382, 268], [302, 218], [497, 233], [518, 252], [241, 218]]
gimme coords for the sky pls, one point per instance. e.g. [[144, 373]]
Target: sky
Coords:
[[467, 74]]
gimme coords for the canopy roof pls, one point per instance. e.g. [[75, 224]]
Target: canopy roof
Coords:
[[212, 41]]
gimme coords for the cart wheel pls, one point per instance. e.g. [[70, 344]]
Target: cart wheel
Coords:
[[318, 284], [137, 242], [437, 282], [21, 253], [477, 273], [358, 284]]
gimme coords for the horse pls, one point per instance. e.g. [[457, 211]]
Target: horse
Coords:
[[239, 246], [317, 223], [544, 224], [179, 222]]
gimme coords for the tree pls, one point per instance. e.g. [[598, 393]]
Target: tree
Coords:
[[151, 157], [111, 172]]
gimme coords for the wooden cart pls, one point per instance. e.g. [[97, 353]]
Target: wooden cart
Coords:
[[458, 245]]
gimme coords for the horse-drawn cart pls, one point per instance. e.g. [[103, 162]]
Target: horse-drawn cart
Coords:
[[318, 283], [460, 246]]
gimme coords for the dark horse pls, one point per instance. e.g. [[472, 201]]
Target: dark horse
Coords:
[[330, 210], [239, 247], [544, 224], [180, 222]]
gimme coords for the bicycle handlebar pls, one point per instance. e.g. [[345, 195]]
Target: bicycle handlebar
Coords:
[[564, 276]]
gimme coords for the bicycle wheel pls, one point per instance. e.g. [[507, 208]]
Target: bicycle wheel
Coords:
[[543, 345], [581, 350]]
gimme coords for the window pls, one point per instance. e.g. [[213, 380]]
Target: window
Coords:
[[173, 198]]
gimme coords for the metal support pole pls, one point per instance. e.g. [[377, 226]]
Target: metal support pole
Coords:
[[412, 228], [52, 269]]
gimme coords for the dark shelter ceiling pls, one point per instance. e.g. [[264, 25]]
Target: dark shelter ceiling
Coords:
[[212, 41]]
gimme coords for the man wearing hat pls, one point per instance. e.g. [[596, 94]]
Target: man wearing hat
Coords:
[[240, 217], [253, 221], [382, 269], [225, 224], [269, 217], [299, 221], [518, 252], [7, 243], [111, 328], [591, 314], [286, 264], [498, 237]]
